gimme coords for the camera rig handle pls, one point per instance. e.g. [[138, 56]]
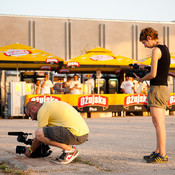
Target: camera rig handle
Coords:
[[18, 133]]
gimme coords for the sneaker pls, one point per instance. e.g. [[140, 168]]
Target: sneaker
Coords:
[[158, 159], [153, 154], [68, 156], [62, 156]]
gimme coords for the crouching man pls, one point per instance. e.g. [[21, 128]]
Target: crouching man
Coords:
[[59, 125]]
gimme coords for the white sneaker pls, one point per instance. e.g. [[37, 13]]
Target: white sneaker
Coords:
[[68, 156]]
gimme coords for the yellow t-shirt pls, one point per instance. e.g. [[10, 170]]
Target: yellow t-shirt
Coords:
[[59, 113]]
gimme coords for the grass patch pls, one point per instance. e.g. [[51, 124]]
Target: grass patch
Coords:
[[4, 168], [83, 161]]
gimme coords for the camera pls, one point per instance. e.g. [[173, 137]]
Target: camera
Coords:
[[139, 72], [42, 151]]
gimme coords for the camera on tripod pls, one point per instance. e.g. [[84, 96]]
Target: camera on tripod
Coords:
[[42, 151], [139, 72]]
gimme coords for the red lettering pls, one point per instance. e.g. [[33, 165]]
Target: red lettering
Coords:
[[69, 64], [17, 52], [44, 98], [135, 99], [89, 100], [52, 60], [171, 100]]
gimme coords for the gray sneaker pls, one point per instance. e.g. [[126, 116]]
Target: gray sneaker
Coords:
[[68, 156]]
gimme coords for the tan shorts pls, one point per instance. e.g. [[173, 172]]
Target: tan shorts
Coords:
[[158, 96], [63, 135]]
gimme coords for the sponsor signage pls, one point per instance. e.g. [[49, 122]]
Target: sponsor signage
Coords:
[[52, 60], [45, 67], [102, 58], [117, 71], [64, 70], [73, 64], [171, 73], [17, 52], [93, 100], [44, 98], [88, 75], [171, 100], [100, 102], [140, 99]]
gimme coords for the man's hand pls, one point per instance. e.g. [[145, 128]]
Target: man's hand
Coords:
[[136, 77], [142, 67], [27, 153]]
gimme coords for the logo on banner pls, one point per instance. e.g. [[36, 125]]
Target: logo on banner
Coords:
[[73, 64], [117, 71], [64, 70], [45, 67], [44, 98], [93, 100], [17, 52], [171, 100], [171, 73], [52, 60], [102, 58], [140, 99]]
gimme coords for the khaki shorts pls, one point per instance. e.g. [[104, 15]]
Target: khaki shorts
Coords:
[[63, 135], [158, 96]]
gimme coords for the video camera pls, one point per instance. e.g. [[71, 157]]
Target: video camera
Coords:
[[139, 72], [42, 151]]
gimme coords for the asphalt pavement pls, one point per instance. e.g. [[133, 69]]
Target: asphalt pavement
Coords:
[[115, 146]]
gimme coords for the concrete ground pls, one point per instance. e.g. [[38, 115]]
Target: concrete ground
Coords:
[[115, 146]]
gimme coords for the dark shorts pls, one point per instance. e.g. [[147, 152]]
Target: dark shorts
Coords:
[[158, 96], [63, 135]]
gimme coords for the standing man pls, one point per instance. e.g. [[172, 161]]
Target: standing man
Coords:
[[127, 86], [66, 85], [47, 85], [75, 85], [38, 87], [158, 94], [59, 125]]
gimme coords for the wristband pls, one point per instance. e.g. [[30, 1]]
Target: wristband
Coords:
[[140, 80], [30, 150]]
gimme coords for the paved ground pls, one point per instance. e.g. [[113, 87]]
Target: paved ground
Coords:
[[115, 146]]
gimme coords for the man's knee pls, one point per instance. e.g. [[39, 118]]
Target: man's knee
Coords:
[[39, 134]]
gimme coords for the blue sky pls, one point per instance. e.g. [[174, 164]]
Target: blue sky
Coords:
[[142, 10]]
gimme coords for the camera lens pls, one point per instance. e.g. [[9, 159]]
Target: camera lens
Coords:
[[20, 149]]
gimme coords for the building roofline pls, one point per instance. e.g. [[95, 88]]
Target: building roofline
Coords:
[[94, 19]]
